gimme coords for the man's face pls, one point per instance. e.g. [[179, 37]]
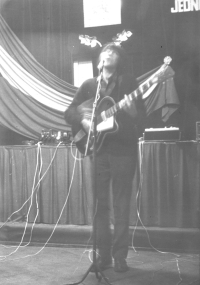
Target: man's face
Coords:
[[110, 58]]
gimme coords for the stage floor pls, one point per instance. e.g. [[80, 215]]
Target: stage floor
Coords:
[[33, 265]]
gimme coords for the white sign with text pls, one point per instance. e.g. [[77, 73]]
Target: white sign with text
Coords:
[[185, 6]]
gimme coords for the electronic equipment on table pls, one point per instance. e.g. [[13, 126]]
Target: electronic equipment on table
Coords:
[[53, 137], [162, 134]]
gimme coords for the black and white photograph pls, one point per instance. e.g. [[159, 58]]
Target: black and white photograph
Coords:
[[99, 142]]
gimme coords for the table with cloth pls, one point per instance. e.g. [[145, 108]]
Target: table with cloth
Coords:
[[50, 180]]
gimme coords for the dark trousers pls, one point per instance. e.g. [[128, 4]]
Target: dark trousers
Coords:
[[115, 173]]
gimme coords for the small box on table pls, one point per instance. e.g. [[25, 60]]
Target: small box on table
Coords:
[[162, 134]]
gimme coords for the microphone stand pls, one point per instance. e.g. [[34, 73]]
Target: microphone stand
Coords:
[[93, 125]]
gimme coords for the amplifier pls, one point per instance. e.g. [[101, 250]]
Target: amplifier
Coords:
[[162, 134]]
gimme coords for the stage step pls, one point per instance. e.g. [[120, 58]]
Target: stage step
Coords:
[[164, 239]]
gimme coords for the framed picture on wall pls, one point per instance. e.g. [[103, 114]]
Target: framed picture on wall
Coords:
[[101, 12]]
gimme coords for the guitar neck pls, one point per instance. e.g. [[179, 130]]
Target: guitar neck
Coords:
[[133, 95], [160, 75]]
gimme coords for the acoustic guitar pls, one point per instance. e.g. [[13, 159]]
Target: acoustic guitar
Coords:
[[107, 108]]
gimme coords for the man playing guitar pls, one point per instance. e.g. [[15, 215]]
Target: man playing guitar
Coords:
[[117, 154]]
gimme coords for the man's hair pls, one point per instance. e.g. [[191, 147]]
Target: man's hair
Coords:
[[120, 51]]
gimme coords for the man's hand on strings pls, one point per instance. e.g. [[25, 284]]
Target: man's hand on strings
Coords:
[[127, 102]]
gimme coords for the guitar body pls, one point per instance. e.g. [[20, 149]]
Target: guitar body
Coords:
[[107, 108], [80, 136]]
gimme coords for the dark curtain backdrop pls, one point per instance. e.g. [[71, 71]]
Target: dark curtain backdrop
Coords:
[[49, 29], [43, 27], [34, 99]]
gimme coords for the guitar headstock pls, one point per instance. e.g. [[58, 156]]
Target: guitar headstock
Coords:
[[167, 60], [165, 71]]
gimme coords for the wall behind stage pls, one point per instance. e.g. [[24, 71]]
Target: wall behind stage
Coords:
[[50, 30]]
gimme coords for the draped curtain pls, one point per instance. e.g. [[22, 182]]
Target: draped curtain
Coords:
[[32, 97], [42, 28]]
